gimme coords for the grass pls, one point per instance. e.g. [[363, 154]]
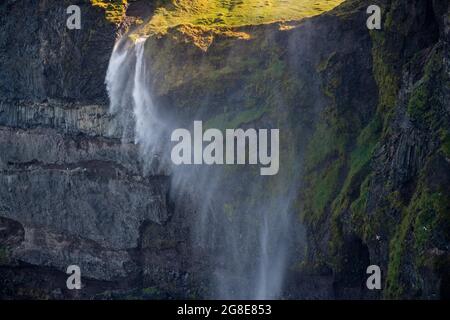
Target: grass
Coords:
[[114, 9], [325, 188], [425, 100], [233, 13], [4, 256]]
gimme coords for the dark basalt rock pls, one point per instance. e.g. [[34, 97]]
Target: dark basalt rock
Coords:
[[72, 192], [42, 59]]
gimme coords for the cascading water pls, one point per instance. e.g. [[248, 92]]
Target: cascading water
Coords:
[[131, 104], [243, 225]]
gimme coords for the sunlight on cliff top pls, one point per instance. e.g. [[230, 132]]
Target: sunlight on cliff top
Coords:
[[233, 13], [114, 9]]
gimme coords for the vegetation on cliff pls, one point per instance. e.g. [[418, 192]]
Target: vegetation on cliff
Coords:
[[349, 187], [115, 10], [201, 20], [234, 13]]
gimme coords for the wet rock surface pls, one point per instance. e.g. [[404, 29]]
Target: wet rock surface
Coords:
[[72, 191]]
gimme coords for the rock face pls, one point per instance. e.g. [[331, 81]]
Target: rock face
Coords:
[[71, 191], [41, 59], [387, 171], [365, 152]]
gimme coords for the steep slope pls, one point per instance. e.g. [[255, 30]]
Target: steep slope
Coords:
[[364, 149], [71, 191]]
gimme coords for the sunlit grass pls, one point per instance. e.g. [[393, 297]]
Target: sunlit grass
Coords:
[[233, 13]]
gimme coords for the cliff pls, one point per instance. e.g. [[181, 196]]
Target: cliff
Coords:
[[364, 117]]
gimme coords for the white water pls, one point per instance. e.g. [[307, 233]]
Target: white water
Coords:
[[249, 250]]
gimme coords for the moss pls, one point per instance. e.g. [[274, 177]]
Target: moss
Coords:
[[338, 172], [323, 187], [414, 227], [431, 211], [424, 222], [151, 292], [339, 154], [418, 105], [366, 143], [228, 210], [32, 294], [259, 98], [394, 288], [445, 142], [323, 65], [334, 173], [358, 207], [235, 119], [344, 183], [342, 139], [336, 243], [424, 226], [325, 163], [358, 165], [114, 9], [326, 143], [425, 102], [388, 80]]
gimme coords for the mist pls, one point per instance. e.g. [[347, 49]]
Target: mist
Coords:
[[244, 222]]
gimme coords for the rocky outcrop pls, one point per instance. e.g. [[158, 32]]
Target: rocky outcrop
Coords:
[[314, 81], [71, 190], [42, 59], [68, 118], [365, 151]]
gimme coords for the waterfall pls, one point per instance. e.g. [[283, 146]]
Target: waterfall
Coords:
[[247, 241], [131, 104]]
